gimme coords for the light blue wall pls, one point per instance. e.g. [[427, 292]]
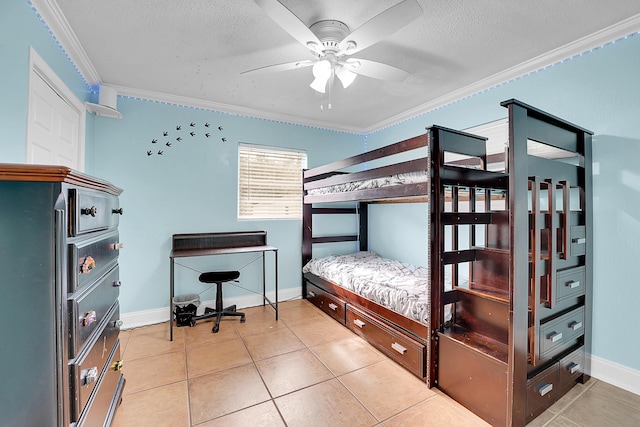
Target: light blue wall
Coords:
[[21, 28], [192, 187], [599, 91]]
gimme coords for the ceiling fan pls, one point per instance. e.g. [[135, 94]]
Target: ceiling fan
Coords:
[[332, 44]]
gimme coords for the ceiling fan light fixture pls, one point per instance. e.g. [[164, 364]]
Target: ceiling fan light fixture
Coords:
[[346, 77], [322, 73]]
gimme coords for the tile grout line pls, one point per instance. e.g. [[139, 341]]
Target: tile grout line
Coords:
[[568, 405]]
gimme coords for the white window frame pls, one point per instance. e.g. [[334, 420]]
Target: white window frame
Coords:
[[268, 204]]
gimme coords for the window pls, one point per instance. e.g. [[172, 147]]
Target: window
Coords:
[[270, 182]]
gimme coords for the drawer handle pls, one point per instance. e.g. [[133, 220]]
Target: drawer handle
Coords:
[[117, 365], [116, 246], [573, 284], [117, 283], [555, 336], [93, 211], [574, 367], [332, 306], [359, 323], [575, 325], [397, 347], [118, 323], [580, 240], [90, 376], [87, 264], [545, 389], [118, 211], [88, 318], [311, 294]]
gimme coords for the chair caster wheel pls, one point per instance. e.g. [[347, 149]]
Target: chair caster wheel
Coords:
[[242, 320], [215, 329]]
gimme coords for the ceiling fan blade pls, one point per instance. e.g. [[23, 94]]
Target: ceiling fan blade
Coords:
[[290, 23], [280, 67], [380, 26], [373, 69]]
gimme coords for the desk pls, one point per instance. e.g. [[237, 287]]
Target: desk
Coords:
[[209, 244]]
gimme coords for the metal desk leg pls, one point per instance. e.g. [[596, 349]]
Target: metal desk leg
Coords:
[[171, 301], [276, 270], [264, 280]]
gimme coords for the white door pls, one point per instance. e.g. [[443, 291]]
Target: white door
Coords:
[[56, 122]]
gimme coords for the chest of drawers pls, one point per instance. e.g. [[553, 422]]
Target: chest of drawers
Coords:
[[59, 285]]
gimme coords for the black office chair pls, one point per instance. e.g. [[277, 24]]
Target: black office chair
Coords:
[[219, 277]]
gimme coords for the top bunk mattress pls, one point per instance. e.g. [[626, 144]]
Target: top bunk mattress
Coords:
[[367, 184], [401, 287]]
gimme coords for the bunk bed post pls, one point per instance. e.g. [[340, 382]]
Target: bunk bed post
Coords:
[[436, 248], [363, 226], [307, 236], [519, 266]]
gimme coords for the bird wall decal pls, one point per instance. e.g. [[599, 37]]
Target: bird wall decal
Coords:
[[193, 126]]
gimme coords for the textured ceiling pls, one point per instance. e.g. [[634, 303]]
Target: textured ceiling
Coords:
[[195, 50]]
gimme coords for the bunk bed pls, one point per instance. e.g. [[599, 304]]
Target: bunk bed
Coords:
[[393, 313], [504, 317]]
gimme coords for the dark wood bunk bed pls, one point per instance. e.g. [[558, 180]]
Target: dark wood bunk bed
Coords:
[[404, 339], [502, 341]]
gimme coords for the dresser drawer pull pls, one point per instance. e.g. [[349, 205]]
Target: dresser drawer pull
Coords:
[[118, 323], [397, 347], [580, 240], [555, 336], [87, 264], [575, 325], [117, 365], [90, 376], [573, 284], [93, 211], [117, 283], [332, 306], [545, 389], [311, 294], [118, 211], [116, 246], [88, 318], [359, 323], [574, 367]]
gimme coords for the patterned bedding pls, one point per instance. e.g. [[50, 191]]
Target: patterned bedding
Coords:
[[401, 287], [385, 181]]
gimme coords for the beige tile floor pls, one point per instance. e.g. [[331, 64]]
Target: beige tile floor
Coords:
[[304, 370]]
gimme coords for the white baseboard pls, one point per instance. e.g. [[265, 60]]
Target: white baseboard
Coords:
[[158, 315], [616, 374]]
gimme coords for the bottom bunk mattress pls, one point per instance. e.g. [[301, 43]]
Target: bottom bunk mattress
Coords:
[[398, 286]]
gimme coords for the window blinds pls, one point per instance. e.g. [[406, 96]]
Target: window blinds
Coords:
[[269, 182]]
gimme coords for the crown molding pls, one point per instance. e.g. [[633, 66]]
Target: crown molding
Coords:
[[53, 17], [621, 30], [228, 109]]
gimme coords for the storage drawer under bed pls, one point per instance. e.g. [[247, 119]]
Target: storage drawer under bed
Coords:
[[327, 302], [401, 348]]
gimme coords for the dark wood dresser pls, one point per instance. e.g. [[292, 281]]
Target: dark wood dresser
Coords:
[[59, 284]]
